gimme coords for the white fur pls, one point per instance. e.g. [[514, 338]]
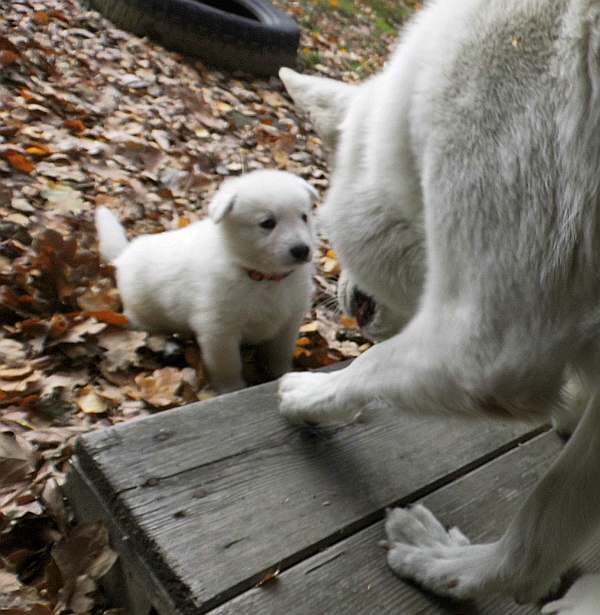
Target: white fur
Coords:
[[465, 199], [582, 599], [111, 235], [195, 279]]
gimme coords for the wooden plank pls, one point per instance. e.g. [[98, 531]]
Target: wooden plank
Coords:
[[131, 582], [352, 577], [215, 494]]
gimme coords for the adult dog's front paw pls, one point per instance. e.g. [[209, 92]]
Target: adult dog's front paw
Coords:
[[306, 397]]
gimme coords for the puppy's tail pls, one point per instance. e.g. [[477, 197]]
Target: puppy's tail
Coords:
[[111, 234]]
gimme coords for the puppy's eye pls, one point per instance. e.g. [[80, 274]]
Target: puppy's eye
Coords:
[[269, 223], [304, 218]]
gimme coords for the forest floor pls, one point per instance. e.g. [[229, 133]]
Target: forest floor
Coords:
[[92, 115]]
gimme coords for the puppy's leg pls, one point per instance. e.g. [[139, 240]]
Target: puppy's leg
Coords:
[[278, 352], [561, 514], [222, 359]]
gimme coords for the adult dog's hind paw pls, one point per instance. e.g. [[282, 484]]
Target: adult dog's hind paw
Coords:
[[442, 561]]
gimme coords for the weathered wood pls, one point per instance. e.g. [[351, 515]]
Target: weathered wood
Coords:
[[131, 582], [352, 577], [213, 495]]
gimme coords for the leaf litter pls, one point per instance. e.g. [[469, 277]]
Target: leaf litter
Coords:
[[91, 115]]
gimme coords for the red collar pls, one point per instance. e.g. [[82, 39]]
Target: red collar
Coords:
[[257, 276]]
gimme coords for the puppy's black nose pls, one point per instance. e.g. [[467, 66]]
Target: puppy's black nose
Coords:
[[300, 252]]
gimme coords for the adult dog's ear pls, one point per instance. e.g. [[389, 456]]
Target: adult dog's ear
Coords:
[[312, 191], [222, 203], [325, 100]]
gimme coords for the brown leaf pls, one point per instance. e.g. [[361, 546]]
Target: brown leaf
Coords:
[[83, 557], [7, 45], [121, 348], [90, 402], [269, 577], [17, 459], [21, 386], [41, 18], [109, 317], [8, 57], [160, 389], [11, 352], [15, 373], [18, 161], [79, 331], [96, 299], [63, 198], [53, 499], [75, 125], [9, 583]]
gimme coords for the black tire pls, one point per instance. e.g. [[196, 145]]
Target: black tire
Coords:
[[248, 35]]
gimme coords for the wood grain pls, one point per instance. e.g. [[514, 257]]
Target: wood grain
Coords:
[[352, 577], [216, 494]]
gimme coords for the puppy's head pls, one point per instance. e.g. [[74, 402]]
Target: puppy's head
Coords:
[[265, 218]]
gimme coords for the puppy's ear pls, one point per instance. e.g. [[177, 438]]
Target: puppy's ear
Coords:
[[312, 191], [325, 100], [222, 204]]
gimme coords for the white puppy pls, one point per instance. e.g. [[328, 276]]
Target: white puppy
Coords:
[[465, 201], [241, 276]]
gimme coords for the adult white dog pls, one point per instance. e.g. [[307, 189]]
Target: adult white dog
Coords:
[[465, 201], [243, 275]]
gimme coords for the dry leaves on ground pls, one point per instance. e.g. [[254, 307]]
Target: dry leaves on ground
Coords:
[[91, 115]]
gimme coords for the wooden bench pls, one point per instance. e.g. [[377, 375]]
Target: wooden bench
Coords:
[[206, 501]]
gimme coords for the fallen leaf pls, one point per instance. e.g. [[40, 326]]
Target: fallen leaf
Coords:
[[109, 317], [99, 300], [160, 388], [121, 348], [269, 577], [348, 322], [63, 199], [8, 57], [15, 373], [75, 125], [18, 161], [82, 557], [17, 459], [7, 45], [78, 332], [9, 583], [90, 402], [41, 18], [39, 150]]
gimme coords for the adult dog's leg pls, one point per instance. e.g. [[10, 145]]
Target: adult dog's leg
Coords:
[[562, 512], [408, 371], [576, 396]]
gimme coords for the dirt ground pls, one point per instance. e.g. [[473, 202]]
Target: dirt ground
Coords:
[[91, 115]]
